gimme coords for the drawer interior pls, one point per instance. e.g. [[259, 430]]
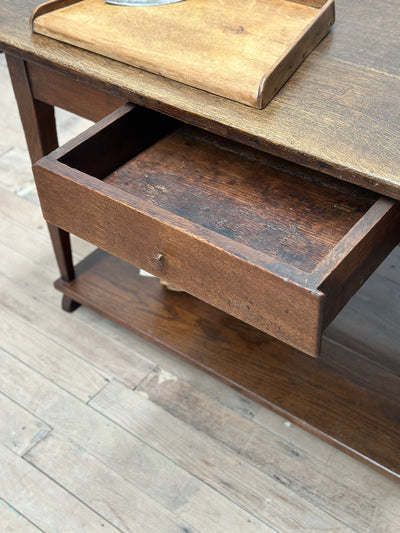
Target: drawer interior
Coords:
[[225, 187], [315, 238], [196, 177]]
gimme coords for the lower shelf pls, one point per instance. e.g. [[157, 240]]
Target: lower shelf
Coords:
[[348, 400]]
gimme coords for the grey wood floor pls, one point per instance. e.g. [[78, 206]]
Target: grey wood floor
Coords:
[[101, 431]]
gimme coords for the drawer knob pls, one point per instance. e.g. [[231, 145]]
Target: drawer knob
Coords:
[[158, 261], [159, 258]]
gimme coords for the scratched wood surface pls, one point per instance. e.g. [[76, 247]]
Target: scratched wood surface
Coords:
[[337, 112], [135, 439]]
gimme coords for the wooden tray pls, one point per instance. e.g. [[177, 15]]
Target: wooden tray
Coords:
[[244, 51]]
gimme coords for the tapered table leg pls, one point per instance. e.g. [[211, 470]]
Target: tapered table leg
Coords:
[[41, 136]]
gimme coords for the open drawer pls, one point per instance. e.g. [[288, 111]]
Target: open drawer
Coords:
[[277, 246]]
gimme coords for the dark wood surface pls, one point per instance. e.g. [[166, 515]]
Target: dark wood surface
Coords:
[[243, 199], [337, 113], [344, 397], [67, 93], [39, 125]]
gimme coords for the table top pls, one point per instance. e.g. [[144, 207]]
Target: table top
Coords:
[[339, 113]]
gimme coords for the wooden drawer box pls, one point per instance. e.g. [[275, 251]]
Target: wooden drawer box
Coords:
[[281, 249]]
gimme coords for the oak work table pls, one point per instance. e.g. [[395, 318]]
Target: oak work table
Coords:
[[275, 217]]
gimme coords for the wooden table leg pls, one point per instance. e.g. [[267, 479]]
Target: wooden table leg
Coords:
[[39, 125]]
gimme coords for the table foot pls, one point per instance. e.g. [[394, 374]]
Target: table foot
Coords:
[[68, 304]]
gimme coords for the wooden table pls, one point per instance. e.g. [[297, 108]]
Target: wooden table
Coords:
[[340, 114]]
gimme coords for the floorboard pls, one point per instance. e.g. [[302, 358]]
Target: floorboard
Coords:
[[13, 522], [43, 501], [215, 464], [87, 343], [121, 502], [300, 467], [19, 429]]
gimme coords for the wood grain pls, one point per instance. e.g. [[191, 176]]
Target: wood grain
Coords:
[[352, 502], [208, 460], [294, 463], [187, 247], [33, 488], [13, 522], [121, 502], [79, 98], [173, 487], [333, 114], [86, 343], [39, 125], [245, 200], [311, 3], [19, 429], [21, 213], [48, 357], [35, 246], [375, 324], [37, 117], [375, 48], [225, 48]]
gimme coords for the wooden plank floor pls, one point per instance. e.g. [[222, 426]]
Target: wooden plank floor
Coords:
[[101, 431]]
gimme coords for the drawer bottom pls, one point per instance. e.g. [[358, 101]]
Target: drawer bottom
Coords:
[[329, 396]]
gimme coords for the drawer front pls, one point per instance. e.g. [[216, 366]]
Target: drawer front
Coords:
[[103, 216]]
